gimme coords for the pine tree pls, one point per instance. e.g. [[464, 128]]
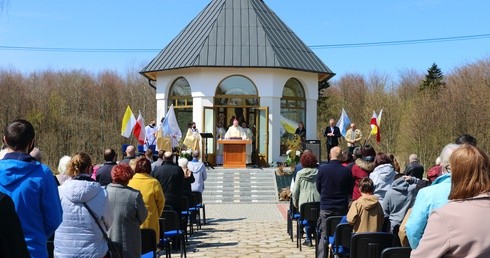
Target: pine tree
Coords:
[[433, 79]]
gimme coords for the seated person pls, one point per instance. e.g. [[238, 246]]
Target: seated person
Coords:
[[366, 213]]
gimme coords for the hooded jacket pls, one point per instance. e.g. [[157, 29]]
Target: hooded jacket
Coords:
[[398, 199], [366, 214], [428, 199], [360, 170], [382, 176], [200, 174], [32, 187], [305, 187], [78, 235]]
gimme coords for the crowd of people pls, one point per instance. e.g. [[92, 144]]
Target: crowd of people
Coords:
[[440, 215], [85, 205], [438, 212]]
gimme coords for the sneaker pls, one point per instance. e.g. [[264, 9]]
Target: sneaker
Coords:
[[307, 243]]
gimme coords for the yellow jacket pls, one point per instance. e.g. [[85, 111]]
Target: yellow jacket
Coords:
[[152, 193]]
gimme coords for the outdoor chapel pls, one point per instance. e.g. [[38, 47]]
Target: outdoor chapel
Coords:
[[238, 60]]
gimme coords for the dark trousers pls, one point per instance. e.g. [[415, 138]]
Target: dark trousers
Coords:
[[322, 231], [329, 146]]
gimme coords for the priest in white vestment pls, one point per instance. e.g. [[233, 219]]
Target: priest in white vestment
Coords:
[[235, 132]]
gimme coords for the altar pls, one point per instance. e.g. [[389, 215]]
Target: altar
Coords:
[[234, 155]]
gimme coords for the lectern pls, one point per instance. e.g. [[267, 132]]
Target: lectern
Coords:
[[234, 155]]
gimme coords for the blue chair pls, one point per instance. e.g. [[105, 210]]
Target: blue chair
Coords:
[[201, 206], [308, 217], [148, 243], [170, 233], [331, 226], [293, 215], [341, 244]]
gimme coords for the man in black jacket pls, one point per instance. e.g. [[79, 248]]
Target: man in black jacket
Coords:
[[334, 183], [332, 132], [171, 177], [104, 172]]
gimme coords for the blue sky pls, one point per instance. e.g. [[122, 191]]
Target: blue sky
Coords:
[[145, 24]]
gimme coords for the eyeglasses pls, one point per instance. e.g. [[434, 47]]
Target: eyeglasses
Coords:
[[448, 168]]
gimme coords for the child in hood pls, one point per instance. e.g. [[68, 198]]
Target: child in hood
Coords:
[[366, 213]]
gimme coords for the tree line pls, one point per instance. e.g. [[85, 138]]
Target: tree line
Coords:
[[77, 110], [421, 112]]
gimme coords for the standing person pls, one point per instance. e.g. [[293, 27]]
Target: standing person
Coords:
[[332, 132], [353, 137], [366, 213], [235, 131], [305, 189], [152, 194], [129, 211], [429, 199], [88, 240], [159, 161], [130, 154], [199, 171], [220, 135], [334, 183], [414, 168], [12, 242], [458, 229], [32, 187], [151, 134], [301, 133], [171, 178], [361, 168], [248, 136], [104, 172], [63, 169], [188, 177], [382, 175], [192, 138]]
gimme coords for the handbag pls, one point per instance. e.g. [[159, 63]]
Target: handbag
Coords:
[[114, 251]]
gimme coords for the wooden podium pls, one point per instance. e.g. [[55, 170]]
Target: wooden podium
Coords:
[[234, 155]]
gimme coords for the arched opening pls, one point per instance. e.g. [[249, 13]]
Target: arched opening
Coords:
[[180, 96], [235, 97], [293, 111]]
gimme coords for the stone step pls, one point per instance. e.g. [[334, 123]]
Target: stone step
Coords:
[[245, 186]]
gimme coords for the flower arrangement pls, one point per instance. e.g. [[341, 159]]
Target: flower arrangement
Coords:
[[292, 157], [186, 154]]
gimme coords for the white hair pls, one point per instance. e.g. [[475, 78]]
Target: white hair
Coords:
[[183, 162], [63, 164], [446, 153]]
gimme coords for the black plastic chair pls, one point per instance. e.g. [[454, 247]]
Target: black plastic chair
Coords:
[[343, 234], [201, 206], [184, 215], [293, 215], [331, 226], [396, 252], [370, 245], [170, 233], [309, 212], [148, 241]]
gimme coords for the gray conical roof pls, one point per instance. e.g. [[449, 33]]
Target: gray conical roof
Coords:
[[237, 33]]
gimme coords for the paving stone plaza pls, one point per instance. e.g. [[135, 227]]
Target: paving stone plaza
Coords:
[[244, 218]]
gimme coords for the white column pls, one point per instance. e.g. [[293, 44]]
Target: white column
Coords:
[[311, 119], [198, 104]]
